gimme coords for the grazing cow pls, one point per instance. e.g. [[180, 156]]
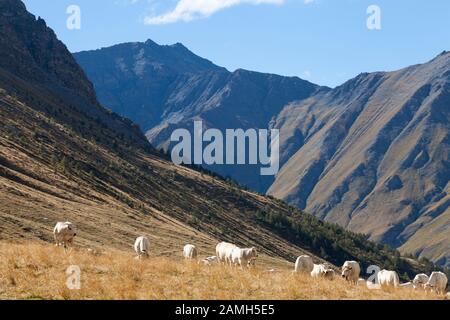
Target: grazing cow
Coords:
[[64, 233], [224, 251], [388, 278], [142, 247], [209, 261], [437, 282], [304, 264], [420, 281], [323, 271], [330, 274], [351, 271], [244, 257], [190, 252]]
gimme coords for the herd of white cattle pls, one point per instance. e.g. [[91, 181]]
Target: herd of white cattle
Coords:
[[232, 255]]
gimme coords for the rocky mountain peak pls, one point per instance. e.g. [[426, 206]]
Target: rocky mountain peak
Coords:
[[12, 8], [31, 50]]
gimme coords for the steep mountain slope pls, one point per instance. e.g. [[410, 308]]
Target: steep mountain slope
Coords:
[[163, 88], [25, 44], [373, 156], [64, 157]]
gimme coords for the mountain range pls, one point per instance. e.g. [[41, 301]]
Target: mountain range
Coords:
[[371, 155], [64, 157], [163, 88]]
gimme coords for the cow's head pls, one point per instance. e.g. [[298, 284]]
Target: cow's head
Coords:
[[346, 271], [428, 285], [70, 228], [329, 274]]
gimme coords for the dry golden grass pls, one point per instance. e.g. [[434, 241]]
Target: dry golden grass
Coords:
[[35, 271]]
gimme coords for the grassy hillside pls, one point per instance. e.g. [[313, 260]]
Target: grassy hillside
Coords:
[[50, 171], [39, 272]]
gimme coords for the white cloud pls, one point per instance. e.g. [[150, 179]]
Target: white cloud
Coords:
[[188, 10]]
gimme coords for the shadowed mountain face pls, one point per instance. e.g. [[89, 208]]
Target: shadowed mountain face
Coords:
[[163, 88], [24, 47], [371, 155], [33, 59], [63, 157]]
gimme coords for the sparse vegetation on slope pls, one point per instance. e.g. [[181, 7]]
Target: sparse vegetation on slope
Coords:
[[67, 177]]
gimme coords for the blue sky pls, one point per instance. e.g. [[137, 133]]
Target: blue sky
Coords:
[[324, 41]]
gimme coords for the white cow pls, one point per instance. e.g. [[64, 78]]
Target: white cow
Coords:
[[420, 281], [351, 271], [142, 247], [330, 274], [244, 257], [304, 264], [437, 282], [322, 270], [190, 252], [64, 233], [224, 251], [388, 278], [209, 261]]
